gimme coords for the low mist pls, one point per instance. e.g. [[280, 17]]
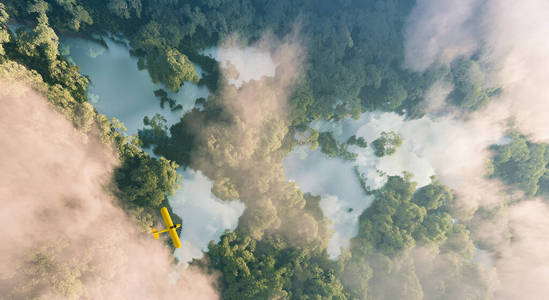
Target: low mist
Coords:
[[510, 39], [64, 236]]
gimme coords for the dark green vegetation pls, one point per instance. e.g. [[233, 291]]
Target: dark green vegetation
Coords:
[[400, 216], [155, 133], [387, 143], [273, 269], [163, 95], [470, 90], [360, 142], [355, 49], [407, 246], [330, 147], [522, 164]]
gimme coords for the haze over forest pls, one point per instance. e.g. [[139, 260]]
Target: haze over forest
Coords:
[[311, 150]]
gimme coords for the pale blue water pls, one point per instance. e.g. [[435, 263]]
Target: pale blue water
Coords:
[[119, 89]]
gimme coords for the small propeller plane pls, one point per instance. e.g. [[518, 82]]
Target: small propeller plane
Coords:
[[169, 228]]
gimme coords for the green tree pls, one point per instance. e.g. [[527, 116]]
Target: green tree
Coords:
[[386, 144], [470, 91], [69, 14], [328, 144], [400, 217], [38, 50], [144, 180], [360, 142], [33, 59], [156, 134], [4, 33], [41, 42], [272, 269], [125, 8], [521, 163], [171, 67]]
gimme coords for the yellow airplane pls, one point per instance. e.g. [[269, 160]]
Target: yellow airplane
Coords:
[[169, 228]]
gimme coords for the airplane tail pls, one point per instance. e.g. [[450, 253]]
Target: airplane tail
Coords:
[[155, 233]]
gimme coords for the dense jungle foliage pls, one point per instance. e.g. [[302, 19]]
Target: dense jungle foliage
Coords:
[[354, 48], [278, 251], [522, 164]]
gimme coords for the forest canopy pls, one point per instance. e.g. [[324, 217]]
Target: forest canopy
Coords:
[[522, 164], [353, 65], [354, 52]]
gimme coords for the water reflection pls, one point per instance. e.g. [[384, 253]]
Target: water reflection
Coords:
[[118, 89], [205, 217]]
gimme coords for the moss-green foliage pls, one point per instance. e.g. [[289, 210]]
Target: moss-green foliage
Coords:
[[360, 142], [389, 223], [436, 272], [329, 146], [437, 200], [522, 164], [163, 95], [300, 102], [161, 57], [156, 134], [63, 14], [125, 8], [386, 144], [169, 66], [69, 14], [211, 77], [50, 274], [379, 265], [383, 262], [144, 180], [38, 50], [272, 269], [4, 34], [400, 216], [355, 49], [470, 90]]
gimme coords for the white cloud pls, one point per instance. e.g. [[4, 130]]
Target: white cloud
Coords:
[[250, 62], [439, 31], [205, 217]]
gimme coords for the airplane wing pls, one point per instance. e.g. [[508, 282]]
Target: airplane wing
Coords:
[[175, 238], [171, 227]]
